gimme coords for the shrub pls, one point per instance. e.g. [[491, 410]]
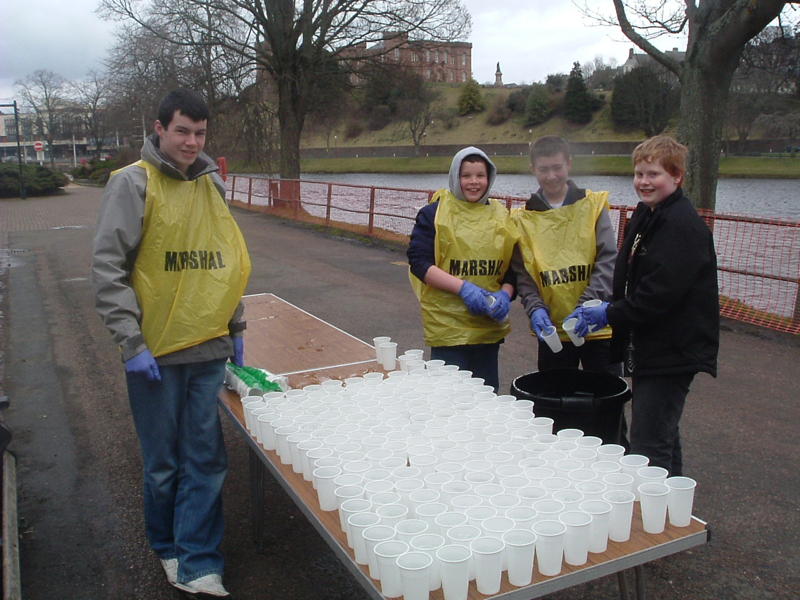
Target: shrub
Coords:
[[39, 181], [96, 170], [499, 113], [470, 100], [379, 117], [353, 130]]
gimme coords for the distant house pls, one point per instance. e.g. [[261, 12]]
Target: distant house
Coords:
[[637, 59]]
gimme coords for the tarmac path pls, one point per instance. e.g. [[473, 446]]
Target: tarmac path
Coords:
[[78, 461]]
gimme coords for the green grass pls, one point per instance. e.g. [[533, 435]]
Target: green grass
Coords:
[[737, 166]]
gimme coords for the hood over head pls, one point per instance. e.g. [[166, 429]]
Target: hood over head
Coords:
[[455, 169]]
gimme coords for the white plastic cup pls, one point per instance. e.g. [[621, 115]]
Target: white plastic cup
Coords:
[[357, 523], [653, 497], [610, 452], [652, 473], [377, 341], [324, 477], [487, 552], [454, 562], [430, 543], [392, 514], [680, 500], [446, 520], [373, 535], [601, 516], [386, 554], [569, 326], [618, 481], [520, 548], [576, 537], [409, 528], [590, 304], [343, 493], [619, 524], [351, 507], [415, 574], [387, 355], [463, 536], [549, 546], [550, 337], [631, 463]]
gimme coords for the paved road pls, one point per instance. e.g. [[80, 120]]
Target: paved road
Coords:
[[79, 468]]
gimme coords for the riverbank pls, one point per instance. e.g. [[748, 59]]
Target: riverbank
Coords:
[[776, 167]]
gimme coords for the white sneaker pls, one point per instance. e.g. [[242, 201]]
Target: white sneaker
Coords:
[[170, 569], [208, 585]]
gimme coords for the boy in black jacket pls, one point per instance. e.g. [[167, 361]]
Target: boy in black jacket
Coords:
[[665, 306]]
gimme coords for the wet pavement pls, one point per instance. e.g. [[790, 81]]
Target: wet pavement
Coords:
[[78, 462]]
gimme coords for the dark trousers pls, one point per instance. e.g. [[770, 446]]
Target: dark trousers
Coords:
[[593, 355], [656, 410], [481, 359]]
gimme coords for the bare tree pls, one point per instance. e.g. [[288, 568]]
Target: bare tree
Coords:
[[717, 33], [91, 97], [45, 93], [289, 40]]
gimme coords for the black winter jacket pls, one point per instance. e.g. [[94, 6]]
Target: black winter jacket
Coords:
[[665, 308]]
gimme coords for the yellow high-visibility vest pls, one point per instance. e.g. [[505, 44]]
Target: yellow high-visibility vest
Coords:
[[192, 266]]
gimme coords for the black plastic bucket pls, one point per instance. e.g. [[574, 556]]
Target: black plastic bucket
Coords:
[[585, 400]]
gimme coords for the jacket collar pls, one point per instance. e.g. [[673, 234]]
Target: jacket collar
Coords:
[[538, 202]]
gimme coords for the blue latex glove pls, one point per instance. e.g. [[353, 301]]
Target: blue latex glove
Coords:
[[499, 310], [596, 316], [540, 321], [238, 351], [581, 327], [143, 365], [474, 298]]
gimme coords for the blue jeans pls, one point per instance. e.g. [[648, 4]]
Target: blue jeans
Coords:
[[481, 359], [184, 464]]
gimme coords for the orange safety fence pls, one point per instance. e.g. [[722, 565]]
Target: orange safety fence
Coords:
[[758, 259]]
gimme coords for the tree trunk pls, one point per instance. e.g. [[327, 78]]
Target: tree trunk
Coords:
[[704, 100], [291, 126]]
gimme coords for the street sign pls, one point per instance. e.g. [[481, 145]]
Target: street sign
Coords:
[[38, 146]]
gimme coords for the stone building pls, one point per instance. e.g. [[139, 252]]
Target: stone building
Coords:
[[448, 62]]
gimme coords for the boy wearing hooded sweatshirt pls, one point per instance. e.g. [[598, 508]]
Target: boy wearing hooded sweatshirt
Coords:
[[459, 257]]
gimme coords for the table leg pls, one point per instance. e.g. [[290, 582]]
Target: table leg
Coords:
[[257, 476], [623, 585], [638, 571]]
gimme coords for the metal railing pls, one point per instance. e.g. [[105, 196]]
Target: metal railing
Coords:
[[758, 259]]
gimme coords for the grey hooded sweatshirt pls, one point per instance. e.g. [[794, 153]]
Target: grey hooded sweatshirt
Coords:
[[116, 245], [421, 248]]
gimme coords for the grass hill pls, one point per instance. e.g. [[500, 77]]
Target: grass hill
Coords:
[[470, 129]]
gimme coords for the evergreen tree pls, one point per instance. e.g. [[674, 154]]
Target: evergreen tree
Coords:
[[470, 100], [578, 102], [644, 98], [539, 106]]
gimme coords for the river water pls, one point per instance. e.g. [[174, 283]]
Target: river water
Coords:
[[765, 198]]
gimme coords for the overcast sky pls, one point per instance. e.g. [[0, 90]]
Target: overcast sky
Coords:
[[530, 39]]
